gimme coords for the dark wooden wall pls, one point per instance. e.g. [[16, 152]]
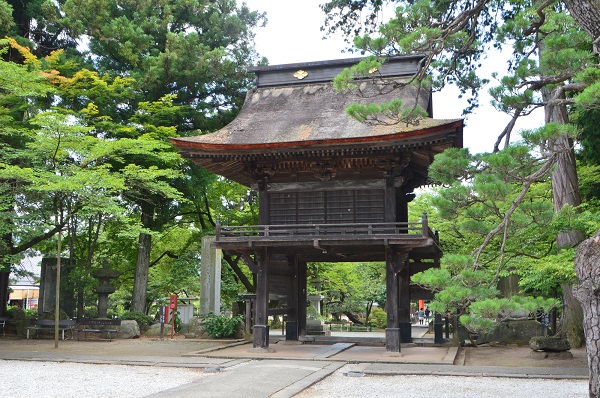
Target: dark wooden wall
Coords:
[[327, 207]]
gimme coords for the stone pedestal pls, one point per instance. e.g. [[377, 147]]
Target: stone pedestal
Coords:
[[104, 288], [314, 325], [261, 336]]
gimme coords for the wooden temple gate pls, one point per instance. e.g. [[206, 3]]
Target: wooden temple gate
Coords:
[[330, 189]]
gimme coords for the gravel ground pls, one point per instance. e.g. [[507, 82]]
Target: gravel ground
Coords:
[[340, 385], [53, 379]]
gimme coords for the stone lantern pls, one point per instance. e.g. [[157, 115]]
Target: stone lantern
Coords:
[[104, 288], [314, 323]]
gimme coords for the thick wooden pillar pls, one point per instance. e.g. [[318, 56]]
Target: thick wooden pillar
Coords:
[[261, 305], [392, 331], [291, 326], [398, 328], [404, 298], [302, 298]]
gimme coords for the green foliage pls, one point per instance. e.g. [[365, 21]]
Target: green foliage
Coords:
[[546, 275], [352, 287], [483, 314], [378, 318], [365, 68], [15, 312], [219, 326], [142, 319], [507, 188], [476, 324], [97, 161], [391, 113]]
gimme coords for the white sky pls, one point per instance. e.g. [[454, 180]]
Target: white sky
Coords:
[[293, 35]]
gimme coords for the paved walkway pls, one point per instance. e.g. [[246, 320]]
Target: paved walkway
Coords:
[[283, 371]]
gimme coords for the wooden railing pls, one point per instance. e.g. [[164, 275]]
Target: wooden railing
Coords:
[[356, 230]]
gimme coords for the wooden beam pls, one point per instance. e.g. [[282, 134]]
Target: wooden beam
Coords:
[[281, 311], [325, 185], [249, 262]]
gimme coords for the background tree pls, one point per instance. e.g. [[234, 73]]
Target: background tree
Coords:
[[172, 67], [352, 289], [194, 51]]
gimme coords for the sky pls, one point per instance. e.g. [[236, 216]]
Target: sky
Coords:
[[293, 35]]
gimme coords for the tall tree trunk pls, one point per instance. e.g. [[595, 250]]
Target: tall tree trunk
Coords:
[[565, 191], [587, 267], [587, 15], [4, 281], [142, 265]]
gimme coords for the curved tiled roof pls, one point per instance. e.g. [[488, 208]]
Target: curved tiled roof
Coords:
[[290, 115]]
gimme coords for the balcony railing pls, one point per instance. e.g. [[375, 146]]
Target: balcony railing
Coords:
[[331, 231]]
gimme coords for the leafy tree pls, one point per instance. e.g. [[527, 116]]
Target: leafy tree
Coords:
[[70, 171], [148, 71], [194, 52], [353, 288], [21, 85]]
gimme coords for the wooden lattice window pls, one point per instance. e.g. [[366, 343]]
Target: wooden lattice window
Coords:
[[327, 207]]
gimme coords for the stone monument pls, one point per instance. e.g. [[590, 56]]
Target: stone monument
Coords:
[[210, 277], [47, 299]]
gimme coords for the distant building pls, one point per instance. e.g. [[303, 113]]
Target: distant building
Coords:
[[23, 295], [24, 292]]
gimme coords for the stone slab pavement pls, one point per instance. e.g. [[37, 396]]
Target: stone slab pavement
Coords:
[[239, 370]]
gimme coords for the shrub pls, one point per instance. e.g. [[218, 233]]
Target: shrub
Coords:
[[142, 319], [218, 326], [378, 318]]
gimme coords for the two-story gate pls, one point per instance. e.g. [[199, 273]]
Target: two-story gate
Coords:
[[330, 188]]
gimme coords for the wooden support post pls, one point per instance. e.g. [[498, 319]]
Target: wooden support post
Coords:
[[392, 331], [302, 298], [249, 315], [291, 327], [438, 337], [402, 267], [261, 325]]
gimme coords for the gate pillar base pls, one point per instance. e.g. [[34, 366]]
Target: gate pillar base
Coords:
[[392, 339]]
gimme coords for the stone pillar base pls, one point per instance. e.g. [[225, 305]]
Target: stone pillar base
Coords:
[[261, 336], [405, 332], [392, 339], [291, 330]]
